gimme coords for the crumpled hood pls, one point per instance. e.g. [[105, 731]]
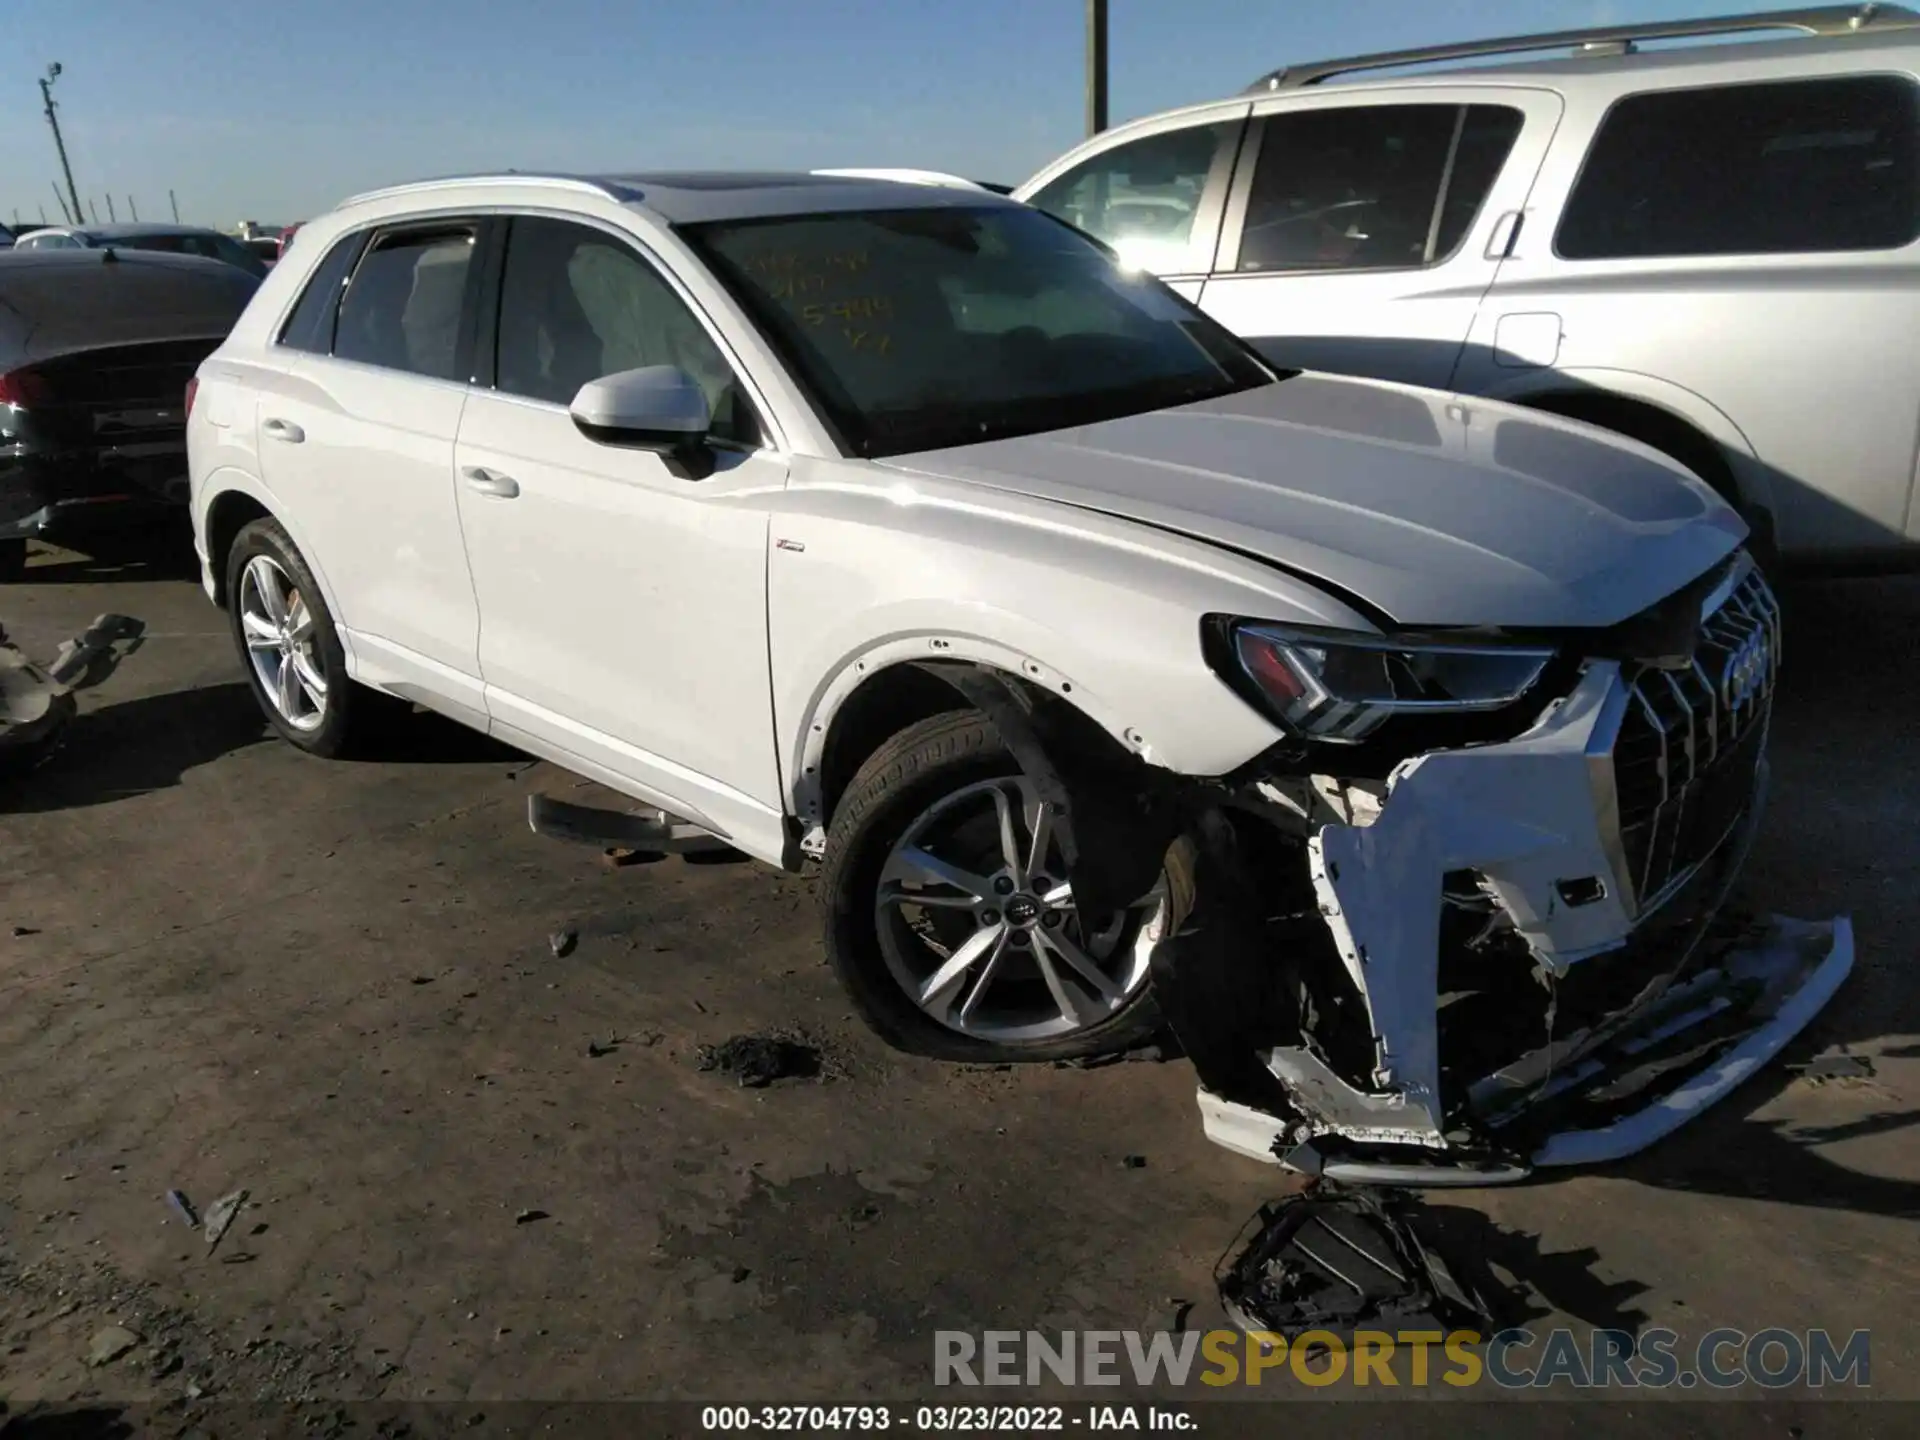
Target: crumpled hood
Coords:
[[1436, 509]]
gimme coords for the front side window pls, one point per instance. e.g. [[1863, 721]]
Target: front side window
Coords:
[[310, 326], [1142, 197], [922, 328], [1802, 165], [576, 304], [1371, 187], [50, 242], [402, 308]]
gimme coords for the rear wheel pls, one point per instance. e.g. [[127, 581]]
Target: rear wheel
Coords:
[[13, 561], [292, 653], [950, 919]]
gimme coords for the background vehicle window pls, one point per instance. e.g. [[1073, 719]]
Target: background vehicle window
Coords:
[[576, 304], [1359, 188], [1486, 139], [310, 326], [50, 242], [1804, 165], [1141, 197], [402, 310]]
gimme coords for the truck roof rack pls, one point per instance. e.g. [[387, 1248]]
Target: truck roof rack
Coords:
[[1821, 20]]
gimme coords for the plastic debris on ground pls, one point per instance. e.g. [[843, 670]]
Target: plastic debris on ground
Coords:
[[1337, 1260], [757, 1060], [1837, 1066], [221, 1214], [36, 701]]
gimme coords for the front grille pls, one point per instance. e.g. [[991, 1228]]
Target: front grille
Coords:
[[1690, 743]]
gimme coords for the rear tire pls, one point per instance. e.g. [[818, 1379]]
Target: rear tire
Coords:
[[13, 561], [294, 660], [940, 767]]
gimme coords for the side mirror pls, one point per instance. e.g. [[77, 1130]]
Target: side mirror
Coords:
[[657, 407]]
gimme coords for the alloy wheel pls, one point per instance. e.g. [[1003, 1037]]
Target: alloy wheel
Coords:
[[283, 643], [977, 922]]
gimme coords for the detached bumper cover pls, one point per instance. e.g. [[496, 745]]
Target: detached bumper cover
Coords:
[[1794, 966], [1595, 997]]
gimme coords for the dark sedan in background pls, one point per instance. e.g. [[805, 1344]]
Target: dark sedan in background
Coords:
[[96, 350], [171, 239]]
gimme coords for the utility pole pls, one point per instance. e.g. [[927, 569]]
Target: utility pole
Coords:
[[1096, 66], [61, 201], [112, 219], [93, 208], [46, 94], [176, 207], [130, 210]]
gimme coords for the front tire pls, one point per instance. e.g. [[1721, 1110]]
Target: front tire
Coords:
[[949, 919], [290, 649]]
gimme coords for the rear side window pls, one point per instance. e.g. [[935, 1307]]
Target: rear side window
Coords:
[[310, 326], [1804, 165], [1142, 197], [1373, 187], [402, 307]]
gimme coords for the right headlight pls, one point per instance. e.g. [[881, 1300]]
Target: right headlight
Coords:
[[1341, 687]]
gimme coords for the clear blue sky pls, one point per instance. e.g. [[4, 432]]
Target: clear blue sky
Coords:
[[274, 109]]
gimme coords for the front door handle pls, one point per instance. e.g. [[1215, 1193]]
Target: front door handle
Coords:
[[282, 430], [491, 482]]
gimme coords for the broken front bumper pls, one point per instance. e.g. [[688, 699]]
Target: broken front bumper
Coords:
[[1534, 931]]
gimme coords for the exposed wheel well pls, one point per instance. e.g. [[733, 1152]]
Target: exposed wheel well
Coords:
[[230, 512], [904, 694], [884, 704]]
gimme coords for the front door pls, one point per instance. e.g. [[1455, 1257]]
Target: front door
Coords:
[[356, 439], [1360, 237], [623, 618]]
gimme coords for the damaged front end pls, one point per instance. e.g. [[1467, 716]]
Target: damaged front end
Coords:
[[1508, 952]]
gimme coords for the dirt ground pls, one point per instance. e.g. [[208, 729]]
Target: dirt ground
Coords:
[[480, 1173]]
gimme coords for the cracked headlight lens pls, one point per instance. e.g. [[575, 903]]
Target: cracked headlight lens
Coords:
[[1342, 688]]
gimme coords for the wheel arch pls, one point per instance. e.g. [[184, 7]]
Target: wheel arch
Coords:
[[891, 686], [237, 500], [228, 513]]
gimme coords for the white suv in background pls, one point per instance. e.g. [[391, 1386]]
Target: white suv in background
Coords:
[[1714, 250], [1111, 672]]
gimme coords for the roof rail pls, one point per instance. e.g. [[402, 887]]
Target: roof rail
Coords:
[[608, 188], [1821, 20]]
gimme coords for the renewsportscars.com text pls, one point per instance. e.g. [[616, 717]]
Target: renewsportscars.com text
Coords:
[[1722, 1359]]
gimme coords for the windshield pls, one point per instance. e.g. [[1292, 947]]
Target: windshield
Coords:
[[923, 328]]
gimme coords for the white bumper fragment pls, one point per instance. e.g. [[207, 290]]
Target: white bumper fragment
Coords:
[[1538, 821]]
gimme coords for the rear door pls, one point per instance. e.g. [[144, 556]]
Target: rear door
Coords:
[[356, 440], [1362, 231]]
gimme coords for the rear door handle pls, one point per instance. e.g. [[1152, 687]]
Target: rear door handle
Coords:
[[491, 482], [282, 430]]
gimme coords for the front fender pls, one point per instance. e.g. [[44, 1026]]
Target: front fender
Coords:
[[1105, 613]]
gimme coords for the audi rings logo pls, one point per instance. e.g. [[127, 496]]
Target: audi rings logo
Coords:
[[1746, 671]]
